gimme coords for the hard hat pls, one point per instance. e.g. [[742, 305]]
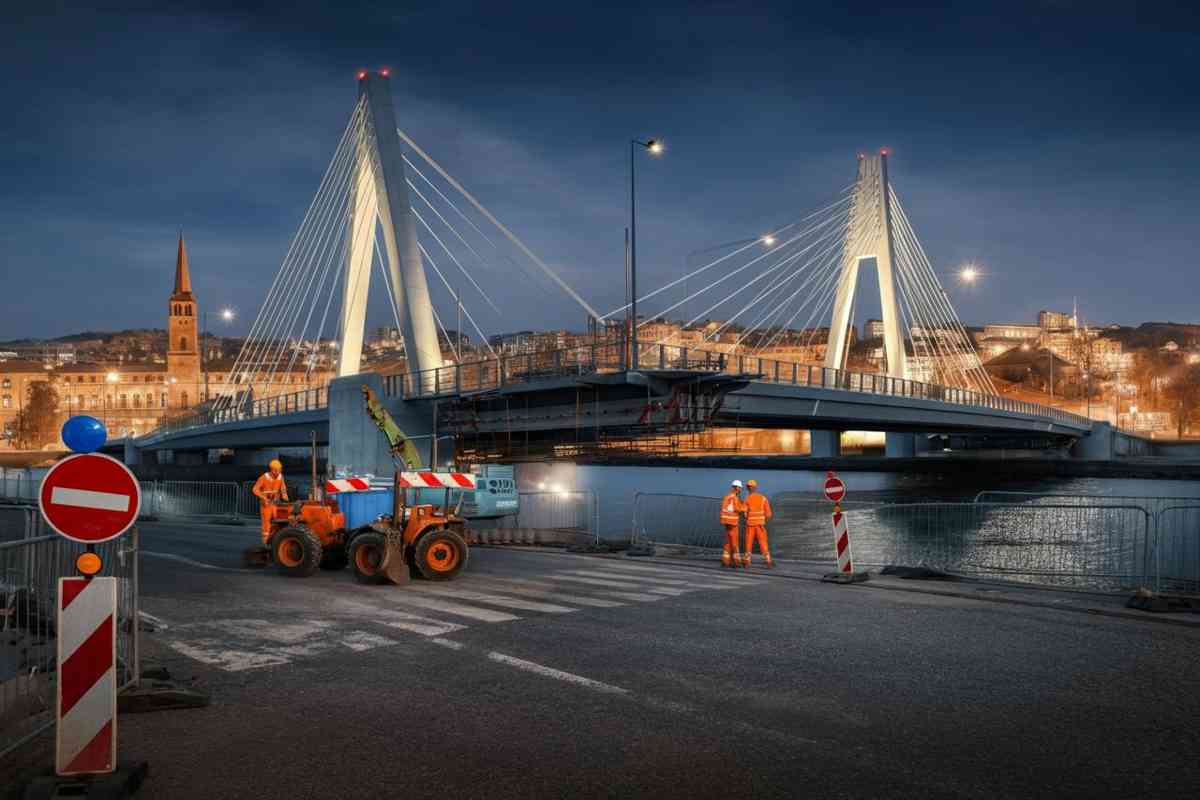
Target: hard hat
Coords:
[[752, 482], [276, 465], [738, 484]]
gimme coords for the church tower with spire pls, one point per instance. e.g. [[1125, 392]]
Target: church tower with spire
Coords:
[[183, 350]]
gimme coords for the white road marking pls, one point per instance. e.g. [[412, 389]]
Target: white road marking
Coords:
[[666, 583], [604, 579], [640, 597], [190, 562], [448, 643], [362, 612], [446, 607], [86, 498], [543, 590], [557, 674], [494, 599], [361, 641], [235, 645], [642, 568]]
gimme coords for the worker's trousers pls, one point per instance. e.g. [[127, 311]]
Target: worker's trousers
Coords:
[[265, 510], [729, 553], [757, 533]]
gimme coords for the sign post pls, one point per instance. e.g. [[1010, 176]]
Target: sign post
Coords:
[[835, 490], [88, 498]]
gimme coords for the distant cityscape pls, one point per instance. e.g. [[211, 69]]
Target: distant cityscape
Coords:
[[1145, 378]]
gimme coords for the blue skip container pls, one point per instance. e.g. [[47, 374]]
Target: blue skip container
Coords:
[[363, 508]]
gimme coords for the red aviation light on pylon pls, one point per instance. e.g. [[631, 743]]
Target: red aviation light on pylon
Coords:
[[385, 72], [883, 151], [362, 73], [861, 156]]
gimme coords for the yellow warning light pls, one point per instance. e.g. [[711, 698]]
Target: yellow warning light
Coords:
[[88, 564]]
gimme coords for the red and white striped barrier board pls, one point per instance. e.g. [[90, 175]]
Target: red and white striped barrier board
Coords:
[[437, 480], [347, 485], [87, 676], [841, 542]]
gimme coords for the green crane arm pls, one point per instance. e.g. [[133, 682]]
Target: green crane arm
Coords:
[[399, 445]]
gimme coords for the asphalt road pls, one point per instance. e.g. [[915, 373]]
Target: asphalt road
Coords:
[[547, 674]]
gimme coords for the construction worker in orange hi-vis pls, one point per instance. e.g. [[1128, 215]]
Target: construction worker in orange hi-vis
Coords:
[[269, 488], [732, 508], [758, 511]]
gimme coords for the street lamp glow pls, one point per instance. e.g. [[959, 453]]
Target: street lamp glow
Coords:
[[968, 274], [655, 146], [768, 240], [112, 377], [227, 314]]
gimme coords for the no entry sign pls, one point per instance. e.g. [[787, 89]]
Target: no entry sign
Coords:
[[90, 498], [835, 490]]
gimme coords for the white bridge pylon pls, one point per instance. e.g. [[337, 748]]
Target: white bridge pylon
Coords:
[[788, 292], [869, 239], [381, 195], [379, 207]]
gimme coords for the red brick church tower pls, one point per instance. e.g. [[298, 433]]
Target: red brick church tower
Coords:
[[183, 351]]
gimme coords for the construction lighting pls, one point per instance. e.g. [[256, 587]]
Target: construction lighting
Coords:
[[88, 564]]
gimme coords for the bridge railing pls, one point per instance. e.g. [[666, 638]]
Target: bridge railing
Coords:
[[613, 355], [303, 400]]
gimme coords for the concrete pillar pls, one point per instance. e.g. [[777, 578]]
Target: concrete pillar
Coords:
[[356, 445], [1096, 445], [133, 454], [900, 445], [826, 444]]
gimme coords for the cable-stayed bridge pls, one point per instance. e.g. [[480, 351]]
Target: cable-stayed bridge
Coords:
[[774, 323]]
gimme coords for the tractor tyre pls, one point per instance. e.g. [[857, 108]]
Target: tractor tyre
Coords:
[[334, 557], [296, 552], [441, 554], [366, 557]]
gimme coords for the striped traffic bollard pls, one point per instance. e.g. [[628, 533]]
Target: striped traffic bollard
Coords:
[[87, 676], [835, 490]]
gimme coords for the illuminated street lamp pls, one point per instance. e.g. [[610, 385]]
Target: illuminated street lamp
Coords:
[[767, 240], [655, 148], [226, 315]]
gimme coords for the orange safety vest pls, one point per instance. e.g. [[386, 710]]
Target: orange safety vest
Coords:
[[731, 507], [268, 489], [758, 509]]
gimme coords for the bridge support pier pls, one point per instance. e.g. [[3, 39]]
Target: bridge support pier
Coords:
[[900, 445], [825, 444], [356, 446], [1097, 445]]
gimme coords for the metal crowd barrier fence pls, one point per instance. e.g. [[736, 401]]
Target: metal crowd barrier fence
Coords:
[[1177, 548], [190, 499], [1096, 547], [20, 485], [1174, 530], [800, 528], [20, 522], [553, 517], [29, 573]]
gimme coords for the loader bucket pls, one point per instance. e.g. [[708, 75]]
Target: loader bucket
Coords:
[[394, 567]]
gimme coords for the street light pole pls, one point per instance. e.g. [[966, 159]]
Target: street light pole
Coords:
[[655, 147]]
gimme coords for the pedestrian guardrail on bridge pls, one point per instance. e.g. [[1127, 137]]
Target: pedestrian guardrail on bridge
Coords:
[[612, 356]]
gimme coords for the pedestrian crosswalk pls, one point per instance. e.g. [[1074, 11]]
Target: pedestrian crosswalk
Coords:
[[363, 620]]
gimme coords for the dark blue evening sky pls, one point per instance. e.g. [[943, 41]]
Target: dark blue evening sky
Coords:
[[1056, 143]]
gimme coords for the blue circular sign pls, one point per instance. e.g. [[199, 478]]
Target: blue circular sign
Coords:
[[84, 434]]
